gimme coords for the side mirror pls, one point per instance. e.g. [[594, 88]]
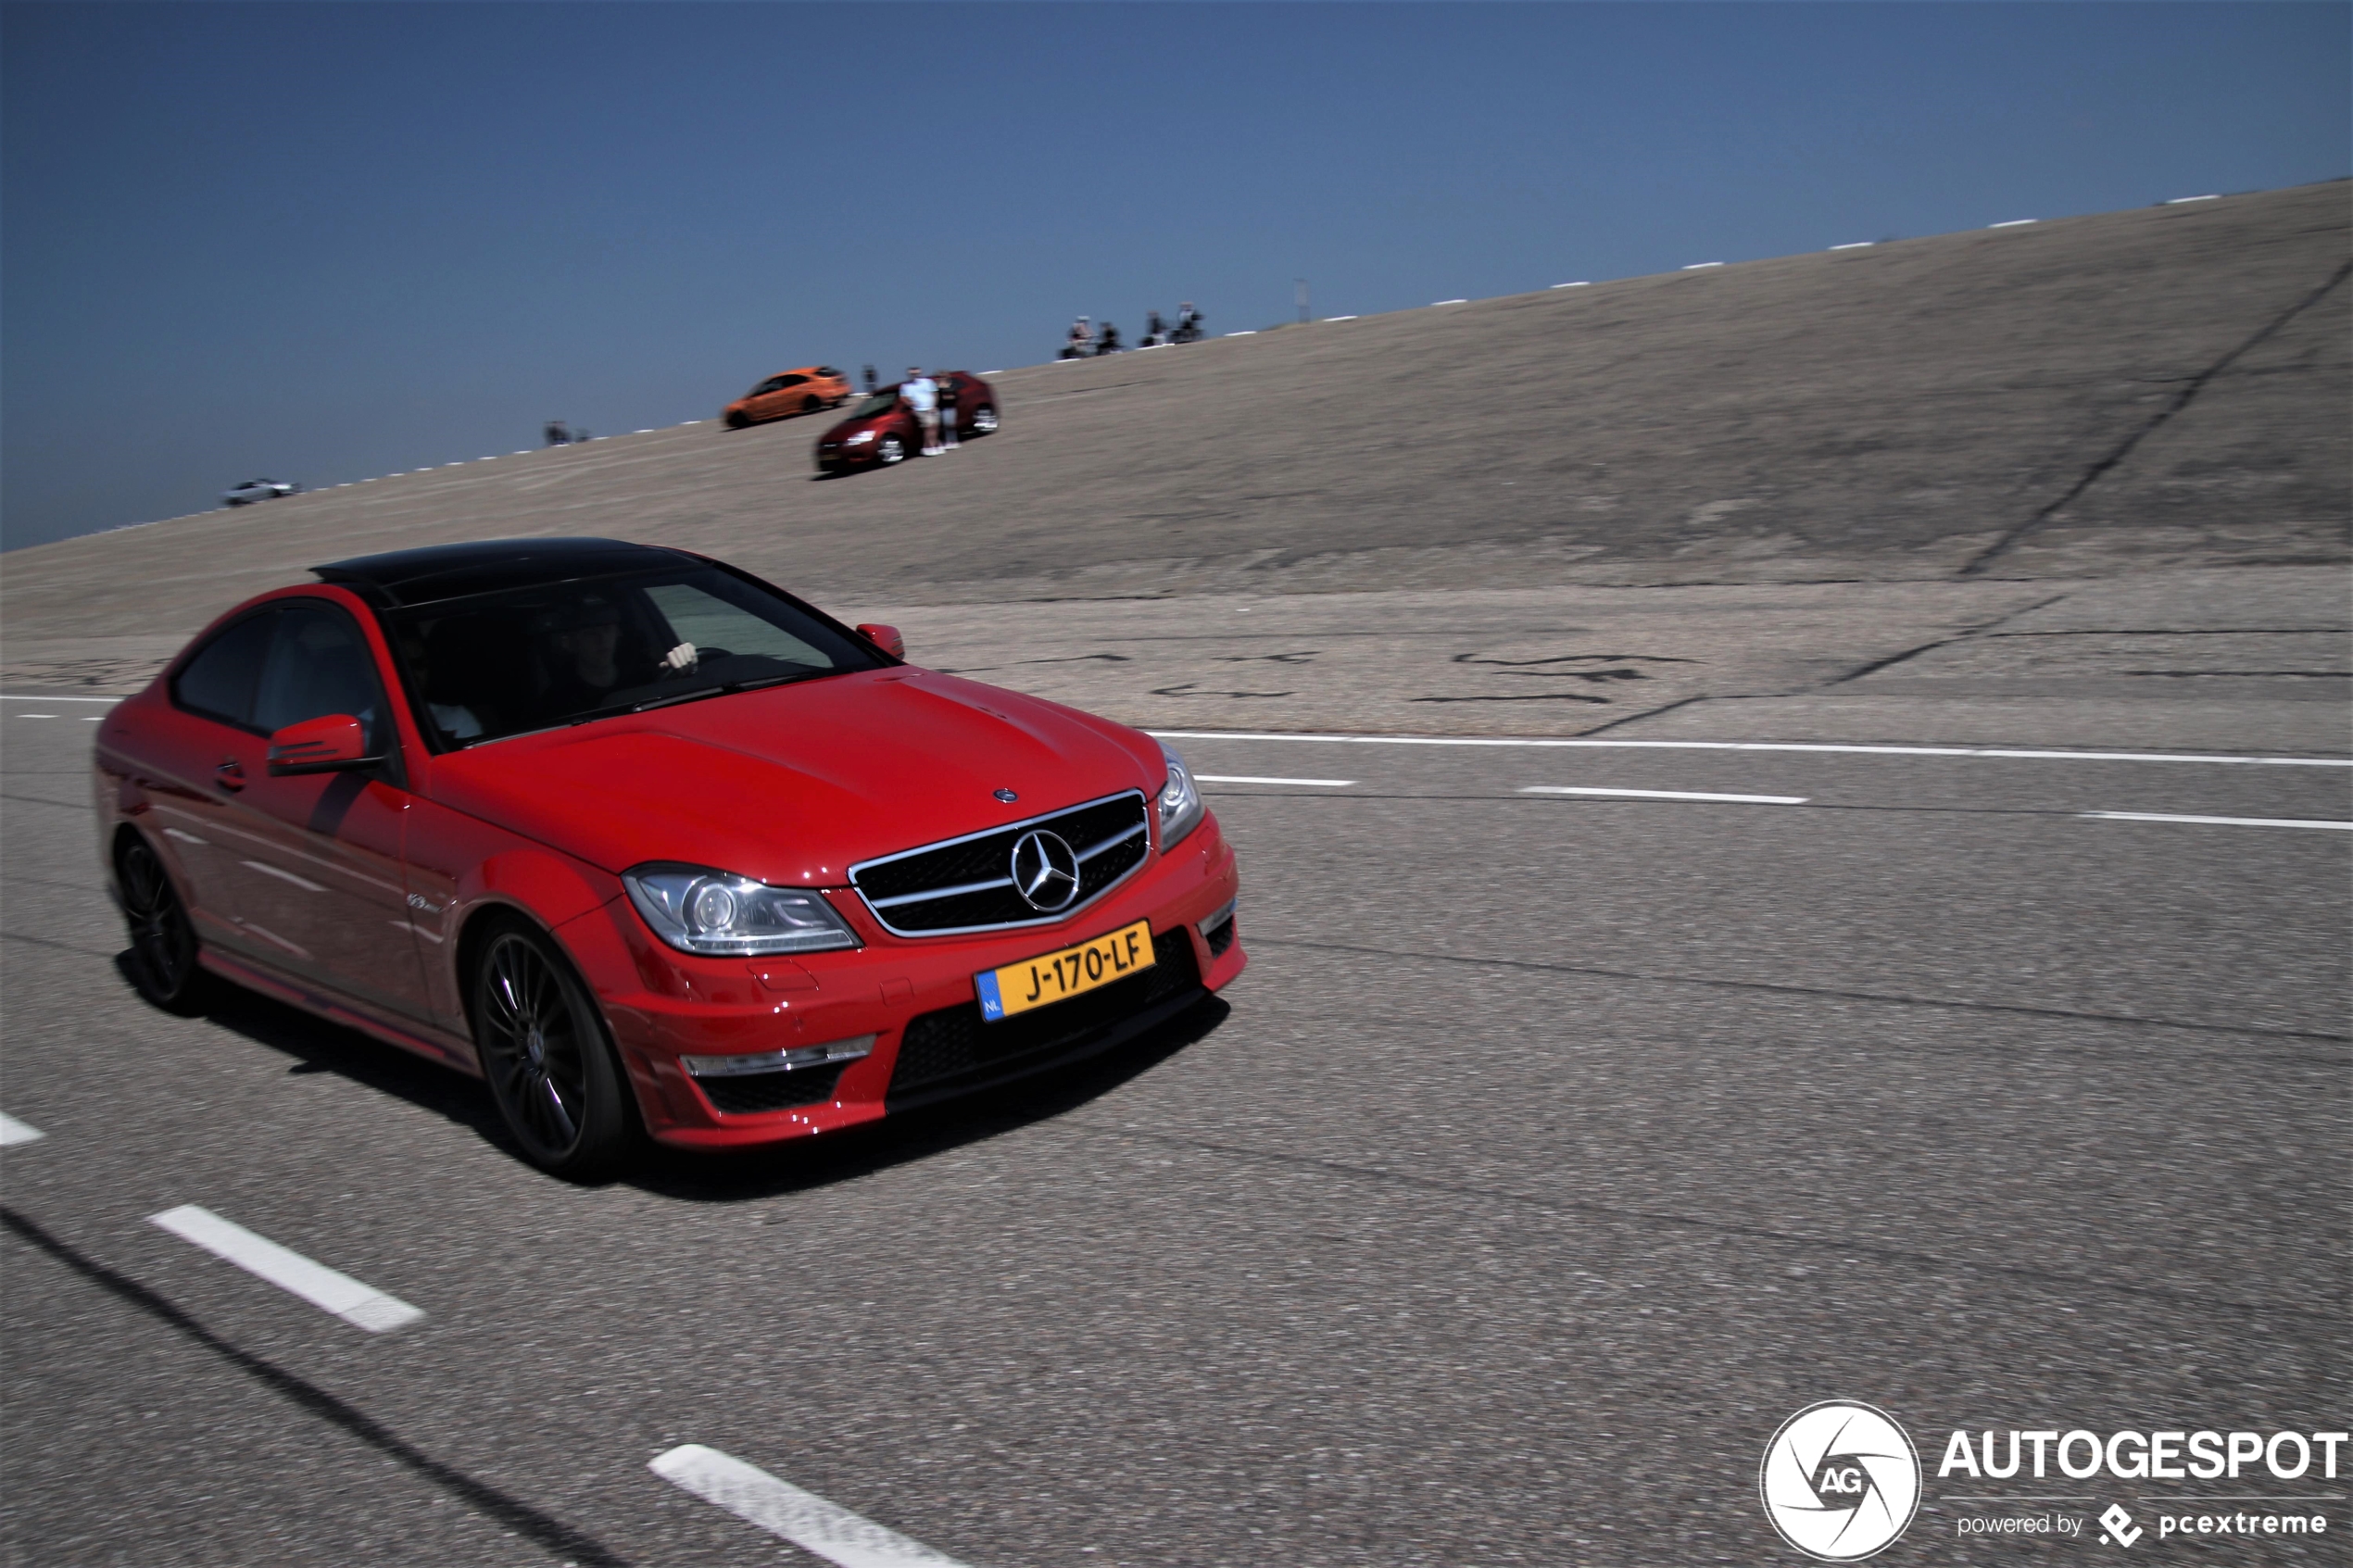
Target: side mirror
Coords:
[[884, 637], [329, 743]]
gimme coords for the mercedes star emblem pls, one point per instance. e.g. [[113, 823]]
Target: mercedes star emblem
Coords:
[[1045, 870]]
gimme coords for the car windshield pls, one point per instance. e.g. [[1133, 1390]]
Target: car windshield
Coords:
[[531, 658], [880, 403]]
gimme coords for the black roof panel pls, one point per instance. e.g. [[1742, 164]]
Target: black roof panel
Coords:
[[487, 566]]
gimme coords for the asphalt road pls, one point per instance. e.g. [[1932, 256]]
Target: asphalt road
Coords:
[[1554, 1148]]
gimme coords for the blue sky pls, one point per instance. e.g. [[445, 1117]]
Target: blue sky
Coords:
[[328, 240]]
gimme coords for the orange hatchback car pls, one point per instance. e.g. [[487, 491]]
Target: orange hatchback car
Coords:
[[796, 392]]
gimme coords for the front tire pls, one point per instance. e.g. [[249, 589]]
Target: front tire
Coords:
[[810, 405], [891, 450], [984, 419], [738, 420], [542, 1047], [162, 959]]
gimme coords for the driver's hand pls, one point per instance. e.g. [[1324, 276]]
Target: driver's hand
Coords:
[[679, 659]]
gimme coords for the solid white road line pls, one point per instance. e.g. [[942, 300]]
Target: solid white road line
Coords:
[[15, 1132], [363, 1306], [782, 1509], [1758, 746], [1245, 778], [2216, 821], [1665, 795]]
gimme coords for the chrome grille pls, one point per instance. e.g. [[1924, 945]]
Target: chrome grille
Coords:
[[966, 884]]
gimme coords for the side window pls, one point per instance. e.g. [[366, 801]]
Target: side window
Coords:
[[318, 665], [783, 382], [219, 682], [722, 628]]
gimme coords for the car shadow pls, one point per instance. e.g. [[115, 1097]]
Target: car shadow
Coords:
[[313, 1044]]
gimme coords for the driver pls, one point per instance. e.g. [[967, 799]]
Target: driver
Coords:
[[583, 654]]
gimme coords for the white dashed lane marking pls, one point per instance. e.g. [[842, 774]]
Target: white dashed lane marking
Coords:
[[1244, 778], [1665, 794], [14, 1132], [1758, 746], [2215, 821], [782, 1509], [363, 1306]]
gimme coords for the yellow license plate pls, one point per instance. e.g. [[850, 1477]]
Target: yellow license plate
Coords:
[[1052, 977]]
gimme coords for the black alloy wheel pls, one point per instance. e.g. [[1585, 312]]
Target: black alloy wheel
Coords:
[[984, 419], [543, 1048], [162, 961], [889, 450], [738, 420], [809, 405]]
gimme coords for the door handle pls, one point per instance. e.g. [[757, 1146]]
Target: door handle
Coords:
[[230, 775]]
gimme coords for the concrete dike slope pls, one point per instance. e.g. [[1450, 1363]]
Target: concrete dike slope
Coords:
[[1749, 481]]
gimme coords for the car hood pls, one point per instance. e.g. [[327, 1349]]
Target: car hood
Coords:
[[795, 785]]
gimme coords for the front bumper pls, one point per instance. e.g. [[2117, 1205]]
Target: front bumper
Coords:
[[834, 456], [913, 996]]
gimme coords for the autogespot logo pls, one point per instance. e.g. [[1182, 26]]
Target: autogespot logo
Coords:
[[1839, 1480]]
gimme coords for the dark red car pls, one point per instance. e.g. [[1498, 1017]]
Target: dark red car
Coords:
[[882, 430], [649, 845]]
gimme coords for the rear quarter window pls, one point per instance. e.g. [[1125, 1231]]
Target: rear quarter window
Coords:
[[219, 682]]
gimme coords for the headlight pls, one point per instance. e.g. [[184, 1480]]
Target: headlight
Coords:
[[699, 910], [1180, 808], [860, 439]]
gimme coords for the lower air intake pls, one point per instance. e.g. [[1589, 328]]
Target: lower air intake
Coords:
[[957, 1043], [751, 1092]]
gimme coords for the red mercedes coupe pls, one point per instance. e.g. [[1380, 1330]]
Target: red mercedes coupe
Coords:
[[652, 846]]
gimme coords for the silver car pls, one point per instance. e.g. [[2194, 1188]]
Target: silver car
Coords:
[[258, 490]]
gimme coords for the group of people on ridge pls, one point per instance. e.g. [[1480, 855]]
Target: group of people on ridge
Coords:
[[933, 402], [1085, 342]]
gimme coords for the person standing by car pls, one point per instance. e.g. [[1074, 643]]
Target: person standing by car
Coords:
[[946, 382], [1108, 340], [1080, 342], [921, 394]]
